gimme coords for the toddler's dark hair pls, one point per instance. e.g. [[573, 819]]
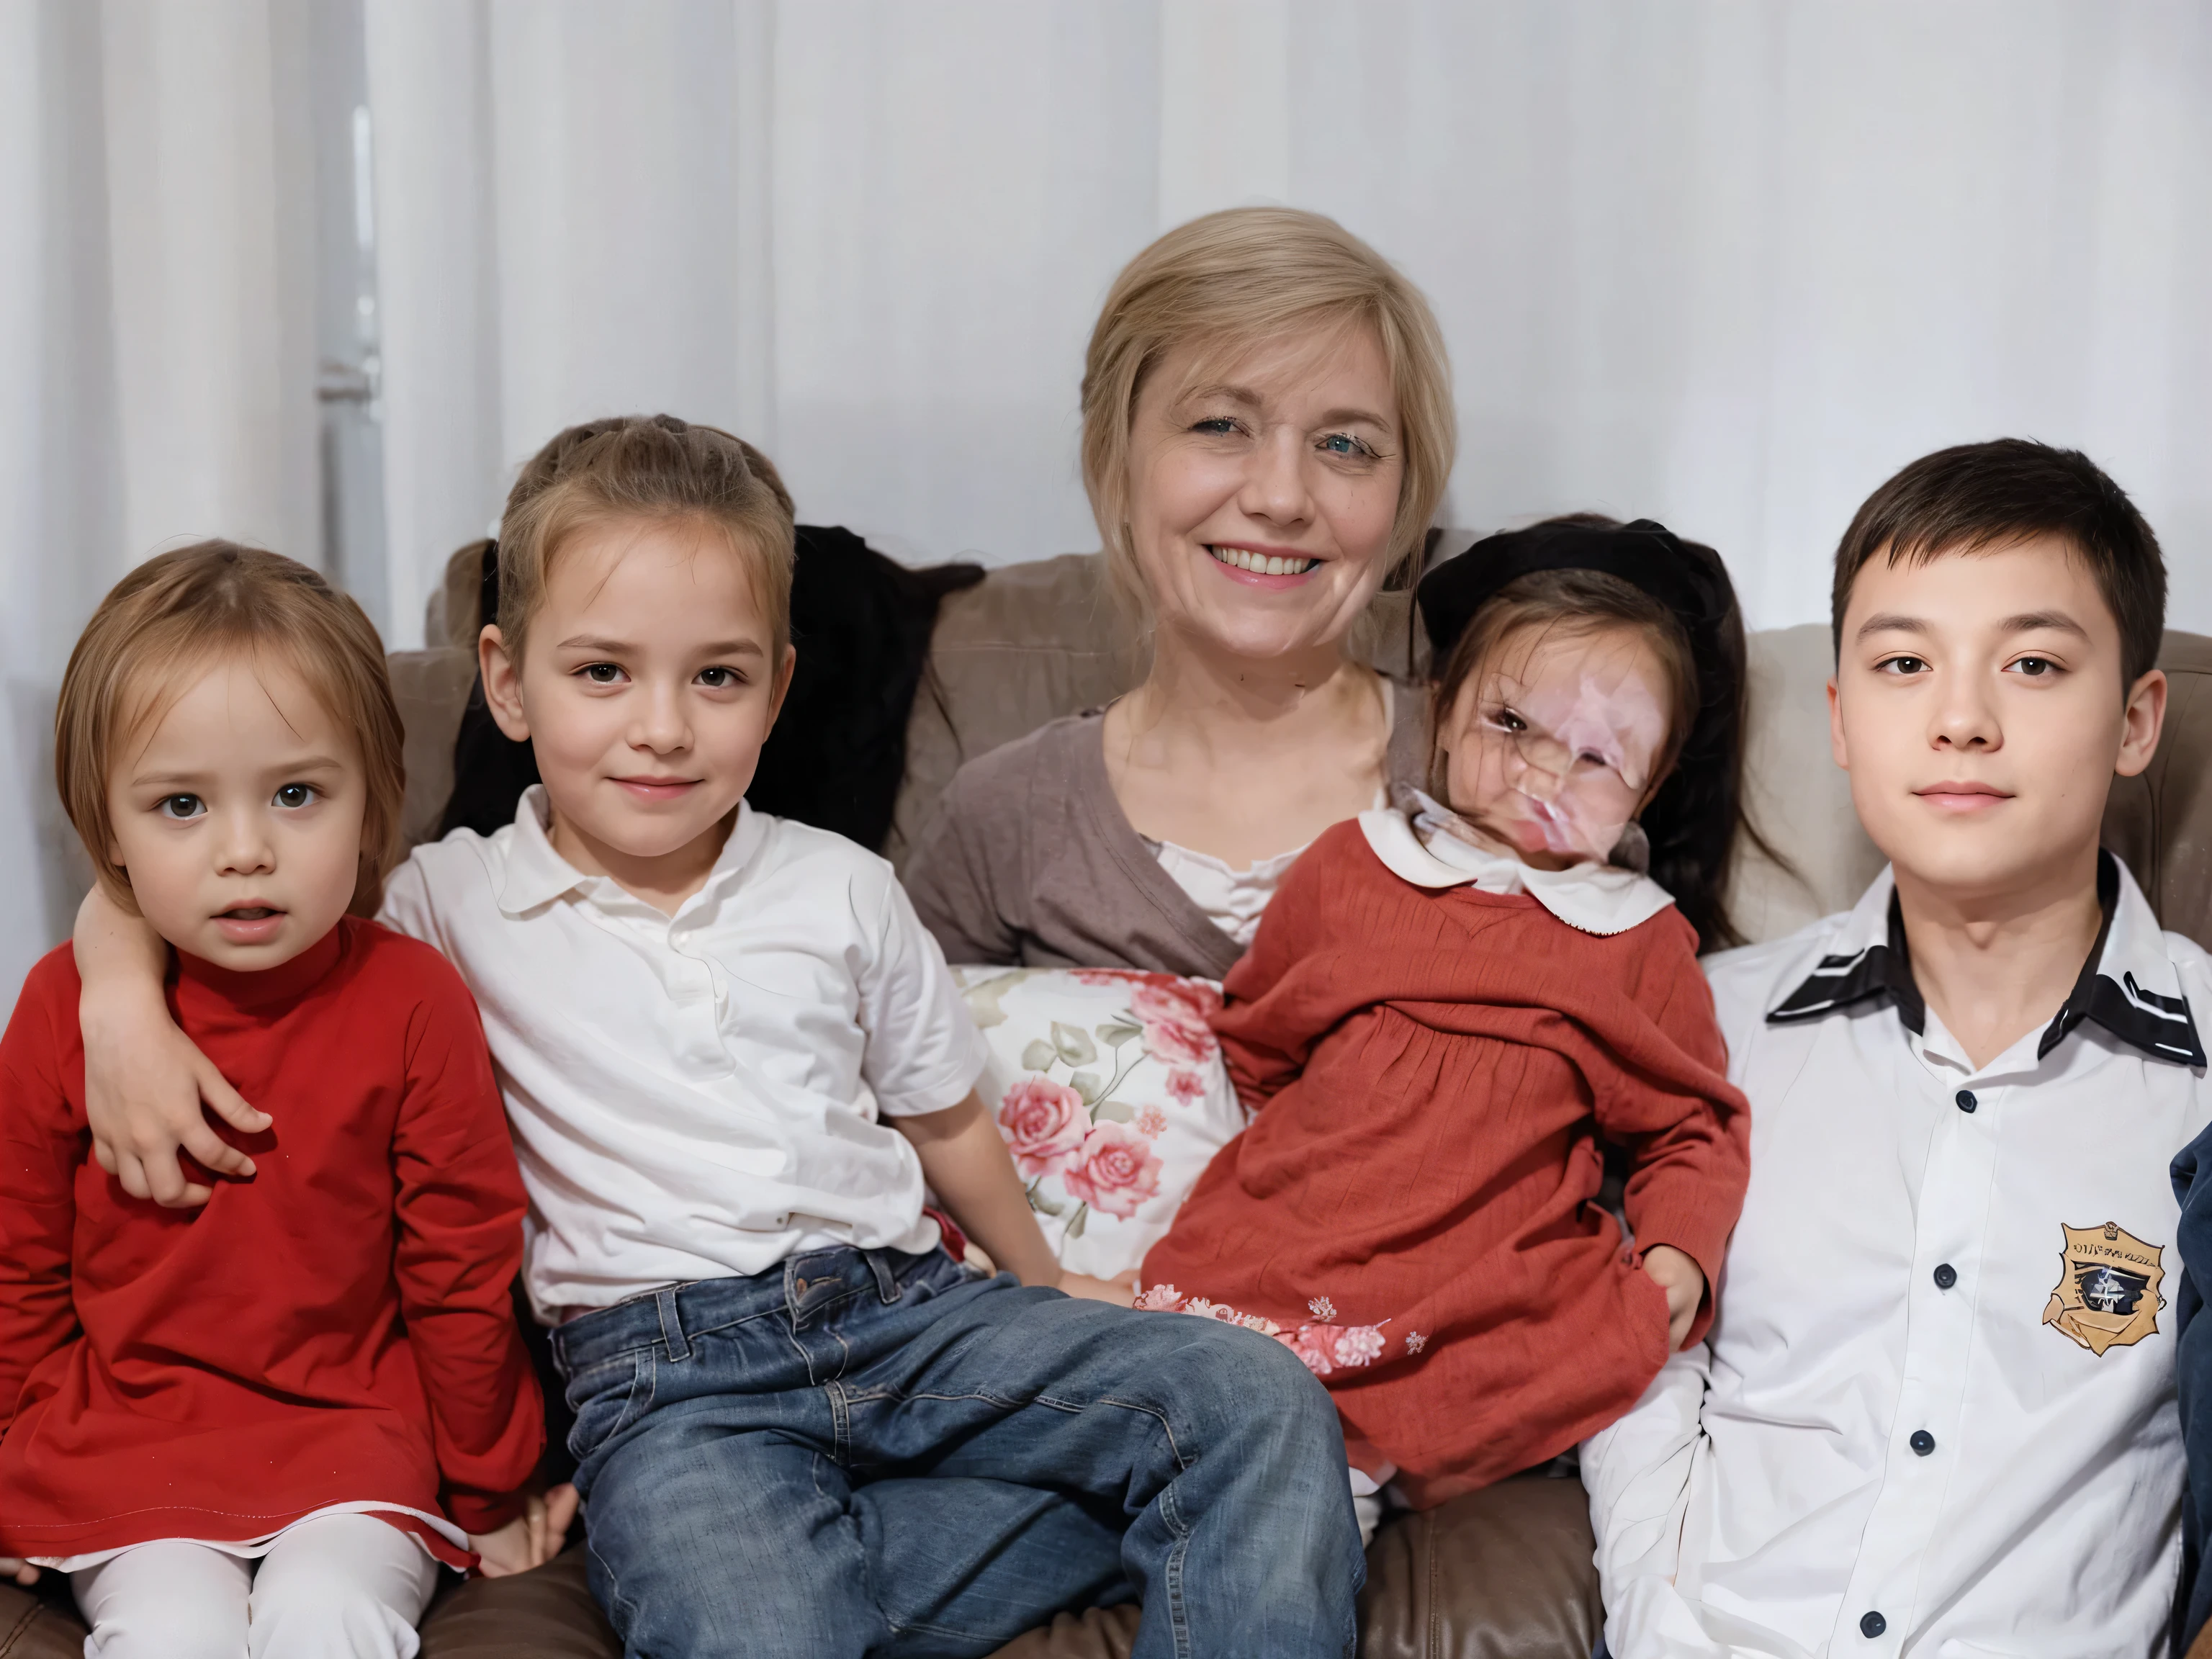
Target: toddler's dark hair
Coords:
[[1692, 821]]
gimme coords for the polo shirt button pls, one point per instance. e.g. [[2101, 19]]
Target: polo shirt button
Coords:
[[1945, 1276], [1966, 1099], [1872, 1624], [1922, 1442]]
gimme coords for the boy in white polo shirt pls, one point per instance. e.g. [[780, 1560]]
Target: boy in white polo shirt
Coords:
[[733, 1058], [1935, 1414]]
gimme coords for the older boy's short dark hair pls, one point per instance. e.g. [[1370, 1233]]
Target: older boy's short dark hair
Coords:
[[1974, 496]]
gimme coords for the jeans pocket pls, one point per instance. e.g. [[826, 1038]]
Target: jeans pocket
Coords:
[[607, 1399]]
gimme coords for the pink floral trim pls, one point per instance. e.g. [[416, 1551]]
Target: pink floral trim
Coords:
[[1324, 1348]]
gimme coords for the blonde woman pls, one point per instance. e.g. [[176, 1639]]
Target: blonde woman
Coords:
[[1266, 428]]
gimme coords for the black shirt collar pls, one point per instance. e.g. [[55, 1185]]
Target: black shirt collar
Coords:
[[2158, 1025]]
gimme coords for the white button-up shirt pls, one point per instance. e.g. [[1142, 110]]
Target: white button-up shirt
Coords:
[[699, 1095], [1935, 1414]]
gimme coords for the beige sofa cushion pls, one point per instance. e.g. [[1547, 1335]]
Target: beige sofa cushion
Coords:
[[1038, 640]]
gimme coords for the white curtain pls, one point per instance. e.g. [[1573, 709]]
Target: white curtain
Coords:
[[1728, 265]]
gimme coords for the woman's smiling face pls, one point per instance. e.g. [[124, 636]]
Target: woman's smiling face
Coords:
[[1262, 489]]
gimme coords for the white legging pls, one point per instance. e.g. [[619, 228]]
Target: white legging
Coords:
[[337, 1587]]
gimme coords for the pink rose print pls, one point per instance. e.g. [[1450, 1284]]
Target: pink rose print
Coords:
[[1044, 1123], [1106, 976], [1186, 1086], [1173, 1013], [1115, 1171], [1151, 1123]]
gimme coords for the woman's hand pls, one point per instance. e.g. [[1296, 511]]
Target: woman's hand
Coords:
[[22, 1571], [143, 1079], [532, 1538], [1684, 1281], [1121, 1290]]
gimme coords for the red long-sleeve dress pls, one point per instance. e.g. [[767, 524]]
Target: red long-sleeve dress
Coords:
[[1415, 1203], [337, 1330]]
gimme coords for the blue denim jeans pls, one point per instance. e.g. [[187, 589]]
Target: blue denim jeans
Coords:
[[866, 1452]]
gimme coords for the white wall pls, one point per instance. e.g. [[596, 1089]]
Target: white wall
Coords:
[[1722, 264], [1727, 265]]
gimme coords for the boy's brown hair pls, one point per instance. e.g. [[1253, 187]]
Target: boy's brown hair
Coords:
[[1973, 498], [185, 609], [651, 467]]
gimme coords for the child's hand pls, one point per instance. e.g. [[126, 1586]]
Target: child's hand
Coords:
[[144, 1082], [1121, 1291], [143, 1078], [22, 1571], [532, 1538], [1684, 1281]]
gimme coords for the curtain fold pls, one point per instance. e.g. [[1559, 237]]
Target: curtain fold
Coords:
[[1725, 265]]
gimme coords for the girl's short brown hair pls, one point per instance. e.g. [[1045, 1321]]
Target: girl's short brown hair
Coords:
[[210, 600], [653, 467], [1233, 279]]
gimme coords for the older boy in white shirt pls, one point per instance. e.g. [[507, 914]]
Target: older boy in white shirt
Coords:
[[731, 1059], [1935, 1414]]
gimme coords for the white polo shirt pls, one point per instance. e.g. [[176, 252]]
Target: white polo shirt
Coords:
[[699, 1096], [1935, 1415]]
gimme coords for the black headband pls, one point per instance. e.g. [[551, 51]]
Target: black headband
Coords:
[[1645, 554]]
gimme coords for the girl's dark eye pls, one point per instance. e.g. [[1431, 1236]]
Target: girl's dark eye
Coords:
[[1903, 665], [720, 679], [1506, 721], [603, 673], [295, 795], [180, 806], [2036, 667]]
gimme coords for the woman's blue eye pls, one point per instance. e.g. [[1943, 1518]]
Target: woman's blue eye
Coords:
[[180, 806], [603, 673], [1219, 426], [1343, 443], [293, 796]]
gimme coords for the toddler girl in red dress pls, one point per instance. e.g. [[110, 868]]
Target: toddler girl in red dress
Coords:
[[257, 1427], [1452, 1006]]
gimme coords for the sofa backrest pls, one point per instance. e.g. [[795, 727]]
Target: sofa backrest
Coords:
[[1035, 642]]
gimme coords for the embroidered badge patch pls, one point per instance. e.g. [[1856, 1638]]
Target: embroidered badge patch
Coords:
[[2107, 1294]]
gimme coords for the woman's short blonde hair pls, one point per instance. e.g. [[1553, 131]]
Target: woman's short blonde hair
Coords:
[[651, 467], [1230, 281], [191, 607]]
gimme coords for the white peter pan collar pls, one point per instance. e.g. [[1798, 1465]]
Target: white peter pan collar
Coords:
[[1593, 897]]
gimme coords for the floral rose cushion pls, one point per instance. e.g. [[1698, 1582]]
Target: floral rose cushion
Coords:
[[1108, 1087]]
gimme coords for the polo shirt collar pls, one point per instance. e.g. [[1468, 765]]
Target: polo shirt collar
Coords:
[[2128, 984], [537, 875]]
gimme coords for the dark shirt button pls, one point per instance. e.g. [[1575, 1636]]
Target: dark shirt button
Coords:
[[1922, 1442], [1945, 1276], [1872, 1624], [1966, 1099]]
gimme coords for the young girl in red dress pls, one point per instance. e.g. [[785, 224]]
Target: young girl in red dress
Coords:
[[1452, 1006], [257, 1427]]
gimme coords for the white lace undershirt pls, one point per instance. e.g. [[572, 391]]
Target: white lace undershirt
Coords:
[[1233, 899]]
